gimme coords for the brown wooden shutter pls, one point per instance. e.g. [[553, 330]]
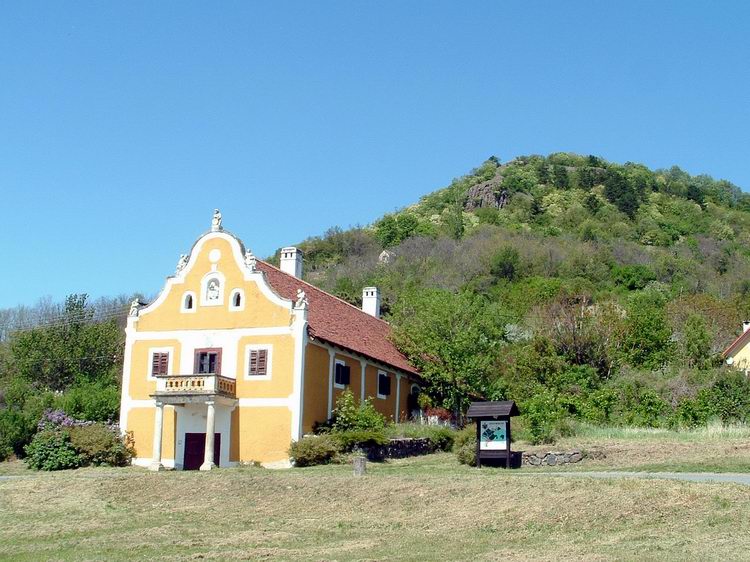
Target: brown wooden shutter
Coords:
[[160, 364], [262, 361], [258, 362]]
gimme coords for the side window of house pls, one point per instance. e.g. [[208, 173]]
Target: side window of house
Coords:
[[208, 361], [258, 363], [159, 363], [384, 384], [342, 374]]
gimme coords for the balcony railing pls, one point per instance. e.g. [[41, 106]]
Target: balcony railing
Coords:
[[196, 384]]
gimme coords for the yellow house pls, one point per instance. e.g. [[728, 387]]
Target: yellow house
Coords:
[[738, 353], [236, 358]]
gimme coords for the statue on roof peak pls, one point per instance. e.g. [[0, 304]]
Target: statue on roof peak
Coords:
[[216, 221]]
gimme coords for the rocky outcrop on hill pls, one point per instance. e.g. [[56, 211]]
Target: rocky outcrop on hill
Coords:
[[487, 194]]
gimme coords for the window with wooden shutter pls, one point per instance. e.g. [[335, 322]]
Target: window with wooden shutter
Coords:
[[258, 362], [160, 363], [384, 385], [342, 374], [208, 361]]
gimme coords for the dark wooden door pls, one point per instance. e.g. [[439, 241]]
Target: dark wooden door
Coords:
[[195, 449]]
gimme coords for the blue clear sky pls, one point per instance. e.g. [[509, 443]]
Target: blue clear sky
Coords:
[[123, 124]]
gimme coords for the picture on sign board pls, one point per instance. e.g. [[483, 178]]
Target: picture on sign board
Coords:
[[492, 435]]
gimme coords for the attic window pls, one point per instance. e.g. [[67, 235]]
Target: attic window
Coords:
[[188, 302], [237, 300]]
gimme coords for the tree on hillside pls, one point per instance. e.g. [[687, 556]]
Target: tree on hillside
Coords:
[[453, 339], [620, 193], [560, 177]]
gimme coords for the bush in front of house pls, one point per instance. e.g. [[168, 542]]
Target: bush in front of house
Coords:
[[102, 445], [359, 439], [51, 449], [465, 445], [312, 450], [64, 442], [350, 415]]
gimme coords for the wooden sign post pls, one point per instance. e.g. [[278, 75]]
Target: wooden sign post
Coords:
[[493, 430]]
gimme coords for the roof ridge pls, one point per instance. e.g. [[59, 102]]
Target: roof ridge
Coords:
[[325, 292]]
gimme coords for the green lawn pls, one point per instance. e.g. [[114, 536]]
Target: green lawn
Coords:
[[427, 508]]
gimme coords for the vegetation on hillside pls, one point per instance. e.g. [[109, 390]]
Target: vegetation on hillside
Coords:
[[579, 287]]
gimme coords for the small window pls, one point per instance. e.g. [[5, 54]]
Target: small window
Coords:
[[342, 374], [237, 300], [188, 302], [159, 363], [384, 384], [258, 362], [208, 361]]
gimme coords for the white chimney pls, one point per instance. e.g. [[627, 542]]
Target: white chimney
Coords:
[[371, 301], [745, 326], [291, 261]]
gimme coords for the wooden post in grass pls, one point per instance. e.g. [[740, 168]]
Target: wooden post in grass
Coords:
[[360, 465]]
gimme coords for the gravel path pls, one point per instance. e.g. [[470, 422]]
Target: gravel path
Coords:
[[731, 477]]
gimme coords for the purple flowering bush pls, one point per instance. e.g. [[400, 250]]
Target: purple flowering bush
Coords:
[[64, 442]]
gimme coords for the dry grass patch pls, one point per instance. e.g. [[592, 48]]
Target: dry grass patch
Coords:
[[417, 509]]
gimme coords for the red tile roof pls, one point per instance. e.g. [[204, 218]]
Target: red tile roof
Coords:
[[741, 340], [338, 322]]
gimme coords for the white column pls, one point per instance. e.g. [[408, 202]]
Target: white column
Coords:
[[158, 424], [363, 364], [398, 398], [208, 457], [331, 366]]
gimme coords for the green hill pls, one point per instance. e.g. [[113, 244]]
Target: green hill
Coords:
[[576, 286]]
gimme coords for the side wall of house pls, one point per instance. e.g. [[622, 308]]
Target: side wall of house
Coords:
[[321, 392]]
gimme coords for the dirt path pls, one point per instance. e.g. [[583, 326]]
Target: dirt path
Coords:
[[730, 477]]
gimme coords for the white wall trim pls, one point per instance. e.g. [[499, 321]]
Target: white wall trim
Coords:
[[269, 361], [266, 402], [398, 398], [126, 366], [363, 365], [298, 374], [241, 332], [331, 363]]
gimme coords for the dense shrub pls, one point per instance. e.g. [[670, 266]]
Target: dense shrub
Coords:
[[465, 446], [545, 419], [730, 397], [92, 401], [313, 450], [352, 416], [51, 449], [359, 438], [101, 445]]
